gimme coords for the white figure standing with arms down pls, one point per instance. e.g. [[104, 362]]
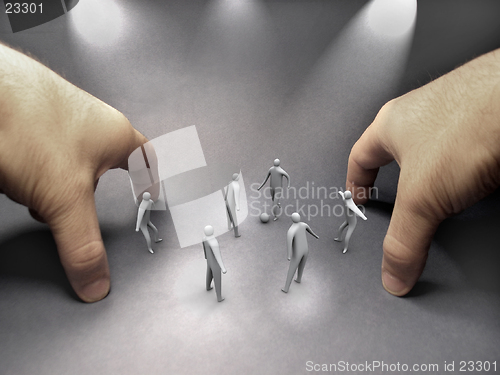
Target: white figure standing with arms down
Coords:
[[232, 199], [297, 249], [214, 262], [351, 218], [144, 221], [276, 173]]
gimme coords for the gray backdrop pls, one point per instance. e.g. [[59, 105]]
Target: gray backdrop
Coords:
[[298, 80]]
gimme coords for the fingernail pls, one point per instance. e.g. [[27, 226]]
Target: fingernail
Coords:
[[392, 284], [95, 291]]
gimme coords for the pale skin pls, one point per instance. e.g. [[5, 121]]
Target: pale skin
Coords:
[[445, 136], [56, 140]]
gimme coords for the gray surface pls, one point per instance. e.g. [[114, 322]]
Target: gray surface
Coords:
[[280, 81]]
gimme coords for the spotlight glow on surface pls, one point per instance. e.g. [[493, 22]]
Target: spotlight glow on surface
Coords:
[[362, 67], [392, 18], [99, 22]]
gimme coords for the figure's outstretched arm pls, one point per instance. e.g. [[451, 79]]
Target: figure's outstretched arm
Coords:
[[267, 178], [140, 216], [287, 177], [352, 206], [308, 228], [289, 242], [218, 257], [341, 194]]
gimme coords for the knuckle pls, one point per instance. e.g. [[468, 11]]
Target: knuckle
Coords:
[[86, 258], [400, 256]]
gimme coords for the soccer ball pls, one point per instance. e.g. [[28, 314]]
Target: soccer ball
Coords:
[[264, 217]]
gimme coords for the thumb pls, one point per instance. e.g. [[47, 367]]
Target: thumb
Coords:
[[406, 244], [81, 250]]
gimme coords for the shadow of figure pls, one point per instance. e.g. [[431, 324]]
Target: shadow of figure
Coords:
[[33, 255]]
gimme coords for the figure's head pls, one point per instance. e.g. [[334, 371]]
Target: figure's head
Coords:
[[276, 162], [295, 217], [236, 176], [347, 194], [146, 196], [209, 230]]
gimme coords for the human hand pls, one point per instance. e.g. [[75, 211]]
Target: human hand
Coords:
[[55, 142], [445, 136]]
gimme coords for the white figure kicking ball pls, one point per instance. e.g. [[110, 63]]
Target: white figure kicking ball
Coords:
[[276, 174]]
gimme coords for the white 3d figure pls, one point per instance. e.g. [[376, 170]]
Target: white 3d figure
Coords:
[[232, 199], [351, 213], [144, 221], [276, 173], [214, 261], [297, 249]]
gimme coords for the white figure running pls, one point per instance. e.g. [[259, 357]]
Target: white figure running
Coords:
[[276, 173], [144, 221], [297, 249], [351, 214]]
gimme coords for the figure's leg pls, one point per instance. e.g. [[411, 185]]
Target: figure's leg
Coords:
[[341, 229], [294, 263], [144, 230], [277, 196], [209, 277], [229, 218], [236, 233], [234, 216], [232, 220], [276, 210], [218, 285], [302, 264], [350, 229], [155, 231]]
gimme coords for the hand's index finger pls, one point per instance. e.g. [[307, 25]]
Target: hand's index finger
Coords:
[[367, 155]]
